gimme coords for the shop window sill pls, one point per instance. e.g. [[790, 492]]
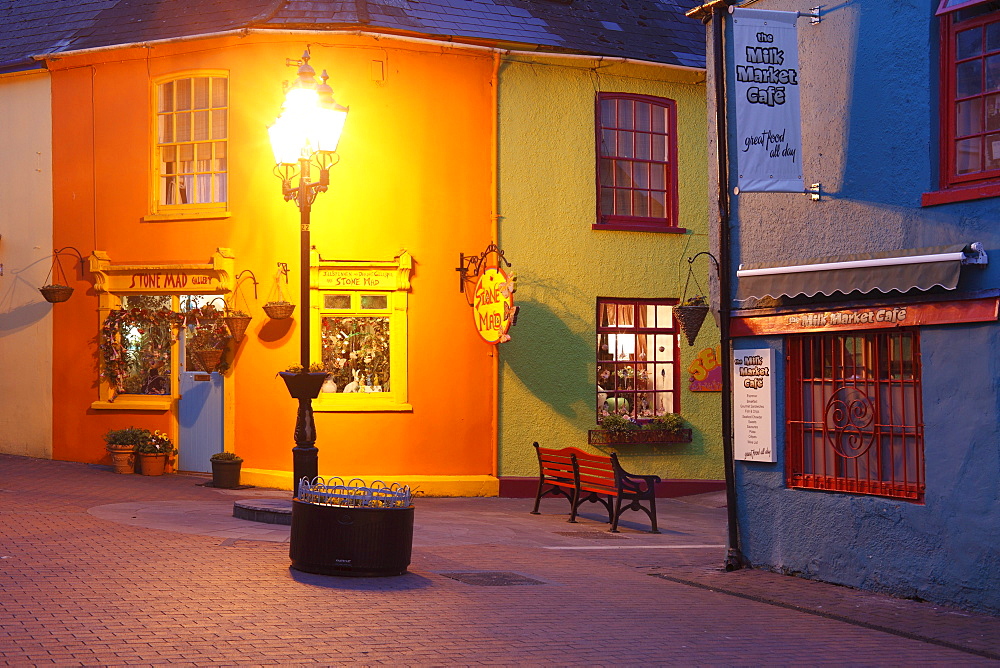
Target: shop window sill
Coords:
[[130, 403], [166, 217]]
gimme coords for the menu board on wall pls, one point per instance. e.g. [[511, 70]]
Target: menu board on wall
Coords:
[[753, 405]]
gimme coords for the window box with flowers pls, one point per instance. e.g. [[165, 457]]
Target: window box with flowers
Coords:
[[617, 429]]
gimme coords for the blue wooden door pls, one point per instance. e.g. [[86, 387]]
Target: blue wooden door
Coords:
[[200, 416]]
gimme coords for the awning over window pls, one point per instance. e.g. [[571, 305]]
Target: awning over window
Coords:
[[902, 270]]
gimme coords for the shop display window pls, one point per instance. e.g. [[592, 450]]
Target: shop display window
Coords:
[[362, 345], [636, 163], [147, 346], [854, 420], [638, 357], [191, 162]]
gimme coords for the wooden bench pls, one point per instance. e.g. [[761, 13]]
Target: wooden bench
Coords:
[[580, 477]]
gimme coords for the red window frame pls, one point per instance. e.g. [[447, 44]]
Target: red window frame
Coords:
[[635, 380], [636, 163], [985, 181], [854, 418]]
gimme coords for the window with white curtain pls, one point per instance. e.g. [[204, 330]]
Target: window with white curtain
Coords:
[[191, 141], [638, 357]]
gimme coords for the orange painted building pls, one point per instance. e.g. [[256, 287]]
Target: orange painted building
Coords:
[[412, 187], [470, 126]]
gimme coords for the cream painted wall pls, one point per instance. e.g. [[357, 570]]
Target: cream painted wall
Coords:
[[25, 253], [547, 206]]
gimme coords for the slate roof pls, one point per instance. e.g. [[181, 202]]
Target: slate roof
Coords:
[[652, 30]]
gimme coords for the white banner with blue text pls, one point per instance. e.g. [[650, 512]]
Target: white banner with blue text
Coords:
[[766, 100]]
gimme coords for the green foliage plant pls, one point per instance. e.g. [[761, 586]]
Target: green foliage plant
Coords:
[[670, 422], [618, 423], [226, 457]]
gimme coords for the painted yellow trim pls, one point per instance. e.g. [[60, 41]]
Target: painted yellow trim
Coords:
[[422, 485], [400, 269], [201, 214], [111, 280], [168, 212], [134, 402]]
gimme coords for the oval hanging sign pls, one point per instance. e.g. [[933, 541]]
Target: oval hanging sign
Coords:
[[493, 308]]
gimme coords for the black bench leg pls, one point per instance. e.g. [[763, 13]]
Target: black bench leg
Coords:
[[616, 515], [652, 515], [538, 496], [574, 503]]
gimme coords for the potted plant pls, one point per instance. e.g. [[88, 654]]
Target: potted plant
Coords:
[[303, 383], [619, 429], [237, 321], [209, 340], [690, 314], [279, 310], [153, 450], [121, 443], [226, 470], [56, 292]]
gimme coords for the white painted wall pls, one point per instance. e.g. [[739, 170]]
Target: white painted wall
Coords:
[[25, 253]]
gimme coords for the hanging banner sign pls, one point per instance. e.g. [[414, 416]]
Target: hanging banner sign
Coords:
[[766, 99], [753, 405], [493, 305]]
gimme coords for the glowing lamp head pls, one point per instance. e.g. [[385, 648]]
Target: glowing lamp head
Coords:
[[310, 119]]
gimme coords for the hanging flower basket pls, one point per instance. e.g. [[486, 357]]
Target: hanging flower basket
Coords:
[[56, 293], [690, 319], [237, 325], [209, 359], [637, 437], [279, 310]]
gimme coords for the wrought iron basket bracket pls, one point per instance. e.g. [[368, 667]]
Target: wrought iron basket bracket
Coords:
[[283, 269], [254, 279]]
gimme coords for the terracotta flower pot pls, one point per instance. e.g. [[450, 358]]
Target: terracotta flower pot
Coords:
[[123, 458], [151, 463]]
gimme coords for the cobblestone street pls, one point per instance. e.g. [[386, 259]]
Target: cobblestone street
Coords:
[[105, 569]]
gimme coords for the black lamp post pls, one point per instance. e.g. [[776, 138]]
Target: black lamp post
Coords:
[[306, 136]]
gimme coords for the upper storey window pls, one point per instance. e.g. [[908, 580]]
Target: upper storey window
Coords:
[[637, 163], [191, 144], [970, 101]]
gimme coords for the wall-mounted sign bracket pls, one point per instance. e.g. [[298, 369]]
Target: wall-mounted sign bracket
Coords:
[[471, 266]]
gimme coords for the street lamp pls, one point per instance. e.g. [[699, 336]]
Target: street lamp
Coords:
[[306, 134]]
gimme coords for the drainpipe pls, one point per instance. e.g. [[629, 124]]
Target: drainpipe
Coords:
[[495, 231], [713, 12]]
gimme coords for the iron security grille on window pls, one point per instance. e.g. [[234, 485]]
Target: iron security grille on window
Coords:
[[855, 414]]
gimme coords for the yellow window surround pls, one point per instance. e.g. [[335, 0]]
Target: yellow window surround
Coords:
[[113, 281], [188, 179], [358, 288]]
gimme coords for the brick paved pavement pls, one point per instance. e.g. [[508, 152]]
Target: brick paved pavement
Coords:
[[104, 569]]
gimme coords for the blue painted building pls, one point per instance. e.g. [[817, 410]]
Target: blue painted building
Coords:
[[876, 296]]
